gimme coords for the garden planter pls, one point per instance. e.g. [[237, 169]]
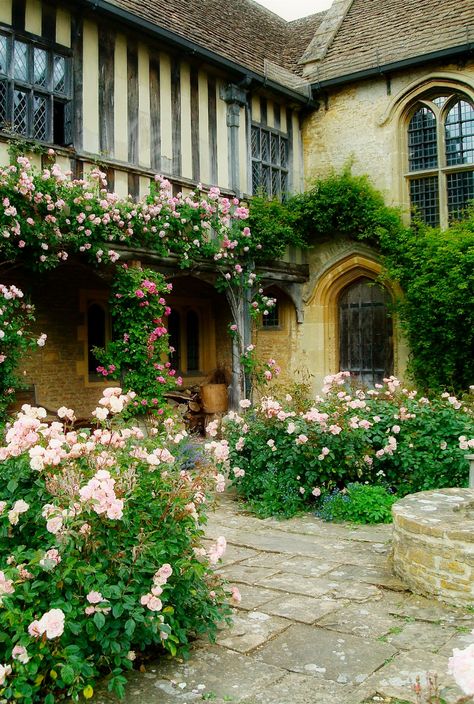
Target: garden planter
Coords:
[[214, 398]]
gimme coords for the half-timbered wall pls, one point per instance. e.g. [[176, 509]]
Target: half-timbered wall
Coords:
[[141, 109]]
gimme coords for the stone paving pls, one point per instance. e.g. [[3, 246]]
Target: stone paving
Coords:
[[322, 621]]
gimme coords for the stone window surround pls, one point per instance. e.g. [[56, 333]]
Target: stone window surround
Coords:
[[442, 170], [396, 116], [88, 297]]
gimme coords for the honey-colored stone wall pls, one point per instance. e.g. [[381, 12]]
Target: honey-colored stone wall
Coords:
[[360, 124], [433, 544], [55, 369], [281, 343]]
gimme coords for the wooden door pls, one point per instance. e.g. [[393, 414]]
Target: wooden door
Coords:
[[365, 332]]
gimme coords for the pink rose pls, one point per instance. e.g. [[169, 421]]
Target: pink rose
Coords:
[[94, 597]]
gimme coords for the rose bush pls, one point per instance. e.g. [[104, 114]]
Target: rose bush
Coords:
[[16, 319], [281, 458], [101, 550]]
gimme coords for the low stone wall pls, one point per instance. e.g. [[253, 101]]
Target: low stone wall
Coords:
[[433, 544]]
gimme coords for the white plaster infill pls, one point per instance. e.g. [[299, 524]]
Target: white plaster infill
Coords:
[[433, 544]]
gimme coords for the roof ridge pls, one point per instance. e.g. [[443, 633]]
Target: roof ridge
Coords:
[[326, 32]]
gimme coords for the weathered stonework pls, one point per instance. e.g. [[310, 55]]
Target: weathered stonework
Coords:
[[433, 544]]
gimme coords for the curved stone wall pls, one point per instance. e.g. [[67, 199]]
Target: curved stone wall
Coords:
[[433, 544]]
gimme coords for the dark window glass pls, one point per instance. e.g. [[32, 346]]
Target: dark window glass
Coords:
[[192, 341], [174, 332], [272, 320], [96, 335], [459, 129], [460, 193], [424, 199], [269, 152], [422, 144], [34, 91]]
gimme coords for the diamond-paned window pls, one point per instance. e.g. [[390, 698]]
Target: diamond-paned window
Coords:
[[440, 142], [20, 112], [40, 67], [3, 54], [20, 61], [269, 153], [35, 90]]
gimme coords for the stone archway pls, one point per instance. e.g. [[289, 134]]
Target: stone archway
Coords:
[[365, 331], [321, 330]]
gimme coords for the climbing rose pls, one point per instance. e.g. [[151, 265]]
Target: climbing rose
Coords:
[[4, 671], [21, 654]]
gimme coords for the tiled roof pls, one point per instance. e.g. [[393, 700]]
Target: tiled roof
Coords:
[[377, 32], [241, 30]]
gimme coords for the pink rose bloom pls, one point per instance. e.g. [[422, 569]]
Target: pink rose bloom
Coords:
[[236, 597], [301, 439], [89, 610], [52, 623], [316, 491], [5, 670], [165, 571], [6, 585], [94, 597], [34, 629], [461, 667], [55, 524], [20, 653]]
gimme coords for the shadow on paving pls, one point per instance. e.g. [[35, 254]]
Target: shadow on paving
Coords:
[[322, 621]]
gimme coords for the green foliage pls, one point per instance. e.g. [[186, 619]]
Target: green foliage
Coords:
[[281, 457], [274, 226], [435, 269], [109, 533], [358, 503], [344, 204], [141, 341], [16, 319]]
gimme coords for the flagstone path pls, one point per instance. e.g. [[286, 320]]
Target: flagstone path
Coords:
[[322, 621]]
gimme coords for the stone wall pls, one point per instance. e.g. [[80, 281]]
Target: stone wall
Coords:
[[57, 372], [360, 124], [433, 544]]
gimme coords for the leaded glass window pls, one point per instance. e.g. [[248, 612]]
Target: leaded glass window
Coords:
[[35, 91], [269, 153], [440, 145]]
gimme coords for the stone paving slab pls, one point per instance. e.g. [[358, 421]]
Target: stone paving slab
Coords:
[[213, 671], [312, 650], [255, 597], [300, 689], [301, 608], [368, 620], [379, 576], [250, 629], [425, 636], [297, 565], [322, 621], [398, 677], [249, 575]]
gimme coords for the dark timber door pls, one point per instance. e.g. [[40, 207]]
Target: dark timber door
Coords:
[[365, 332]]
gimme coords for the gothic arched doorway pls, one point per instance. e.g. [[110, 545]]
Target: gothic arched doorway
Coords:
[[365, 331]]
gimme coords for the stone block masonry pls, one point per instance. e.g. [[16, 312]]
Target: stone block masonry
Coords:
[[433, 544]]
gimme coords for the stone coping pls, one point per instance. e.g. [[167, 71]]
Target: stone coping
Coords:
[[443, 513]]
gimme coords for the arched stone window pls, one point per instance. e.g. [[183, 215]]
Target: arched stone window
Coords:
[[440, 150]]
